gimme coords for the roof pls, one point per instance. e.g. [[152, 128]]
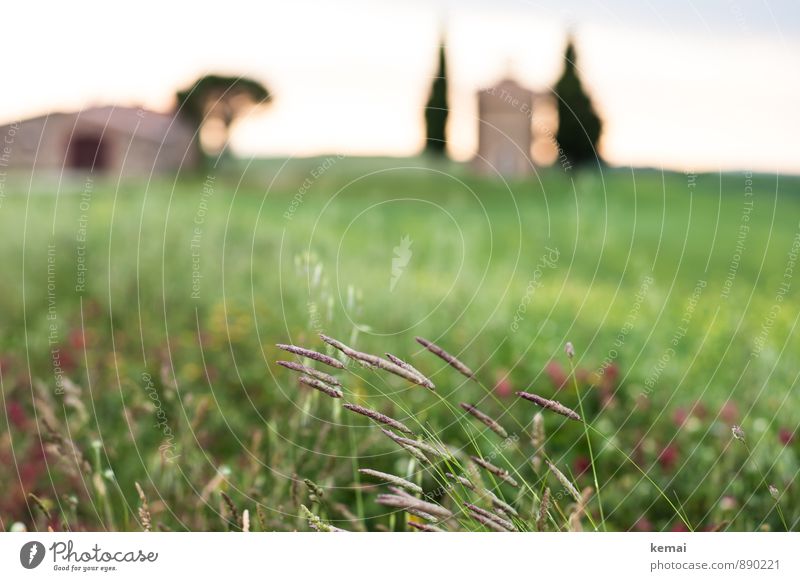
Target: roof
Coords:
[[143, 123]]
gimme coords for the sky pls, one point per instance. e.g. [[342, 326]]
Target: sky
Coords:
[[697, 85]]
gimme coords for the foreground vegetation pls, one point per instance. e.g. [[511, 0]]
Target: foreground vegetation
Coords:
[[139, 323]]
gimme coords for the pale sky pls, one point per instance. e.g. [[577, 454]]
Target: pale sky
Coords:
[[704, 85]]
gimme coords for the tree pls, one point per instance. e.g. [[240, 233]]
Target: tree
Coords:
[[213, 103], [579, 126], [436, 110]]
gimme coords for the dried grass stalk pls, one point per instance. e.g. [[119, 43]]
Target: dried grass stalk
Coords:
[[400, 441], [392, 479], [234, 512], [501, 473], [425, 527], [486, 420], [550, 404], [378, 417], [564, 481], [487, 522], [465, 482], [575, 518], [506, 524], [421, 514], [303, 352], [378, 362], [544, 507], [422, 446], [447, 357], [410, 503], [144, 510], [537, 440], [405, 365], [322, 376], [321, 386], [500, 503]]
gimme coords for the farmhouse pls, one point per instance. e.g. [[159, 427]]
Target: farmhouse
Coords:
[[111, 140]]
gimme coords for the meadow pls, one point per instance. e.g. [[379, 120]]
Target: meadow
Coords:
[[138, 324]]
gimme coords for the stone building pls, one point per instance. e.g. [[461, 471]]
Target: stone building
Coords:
[[108, 140], [504, 130]]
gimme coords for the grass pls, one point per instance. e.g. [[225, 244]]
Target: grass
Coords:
[[671, 287]]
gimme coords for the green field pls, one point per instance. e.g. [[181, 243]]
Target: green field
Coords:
[[146, 352]]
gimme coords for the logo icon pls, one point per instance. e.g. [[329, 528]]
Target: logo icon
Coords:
[[31, 554], [400, 260]]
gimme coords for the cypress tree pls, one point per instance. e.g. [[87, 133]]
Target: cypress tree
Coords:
[[579, 126], [436, 110]]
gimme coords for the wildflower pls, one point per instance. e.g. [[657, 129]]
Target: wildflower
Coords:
[[580, 465], [786, 436], [569, 350], [502, 386], [679, 417], [774, 492], [729, 412], [556, 374], [737, 432], [668, 457]]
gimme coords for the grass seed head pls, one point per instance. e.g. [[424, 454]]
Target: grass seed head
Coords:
[[303, 352], [451, 360], [486, 420], [550, 404], [501, 473], [378, 417], [328, 390], [564, 481]]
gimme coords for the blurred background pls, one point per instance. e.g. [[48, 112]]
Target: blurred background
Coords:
[[709, 85], [184, 186]]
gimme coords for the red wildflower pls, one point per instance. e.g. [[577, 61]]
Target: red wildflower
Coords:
[[16, 414], [581, 465], [679, 417], [556, 374], [668, 457], [502, 386], [729, 413], [786, 436], [643, 525], [679, 527]]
